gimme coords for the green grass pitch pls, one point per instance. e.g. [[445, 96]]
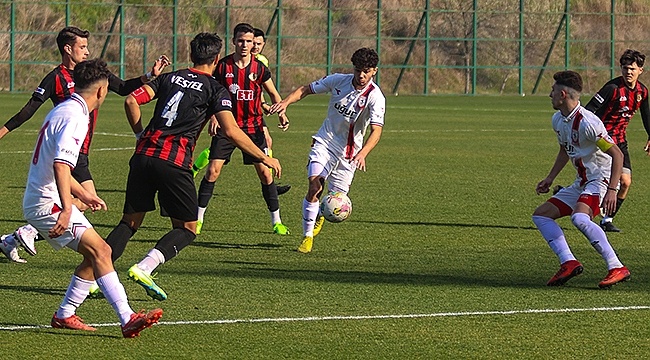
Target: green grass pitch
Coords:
[[439, 260]]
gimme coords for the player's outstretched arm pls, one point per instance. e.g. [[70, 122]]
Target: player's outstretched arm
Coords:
[[125, 87], [296, 95], [22, 116], [159, 65], [132, 104], [241, 140], [276, 98]]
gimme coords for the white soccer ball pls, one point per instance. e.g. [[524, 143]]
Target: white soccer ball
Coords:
[[336, 207]]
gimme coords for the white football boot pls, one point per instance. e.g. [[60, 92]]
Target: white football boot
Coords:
[[10, 251], [26, 235]]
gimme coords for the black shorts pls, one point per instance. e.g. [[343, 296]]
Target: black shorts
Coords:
[[221, 148], [175, 188], [81, 172], [626, 155]]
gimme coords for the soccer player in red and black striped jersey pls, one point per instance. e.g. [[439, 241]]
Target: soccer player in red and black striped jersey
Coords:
[[244, 76], [162, 162], [58, 86], [615, 104]]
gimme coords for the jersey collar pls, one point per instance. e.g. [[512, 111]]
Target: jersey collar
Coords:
[[572, 114], [76, 97]]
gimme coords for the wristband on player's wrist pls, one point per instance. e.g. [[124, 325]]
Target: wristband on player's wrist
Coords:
[[611, 188]]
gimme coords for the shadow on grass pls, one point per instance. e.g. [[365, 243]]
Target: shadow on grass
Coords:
[[427, 223], [39, 290], [99, 191], [368, 277], [44, 329], [217, 245]]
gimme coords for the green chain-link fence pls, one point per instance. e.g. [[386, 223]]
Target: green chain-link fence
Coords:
[[425, 46]]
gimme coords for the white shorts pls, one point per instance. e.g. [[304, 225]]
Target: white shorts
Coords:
[[337, 171], [44, 220], [570, 194]]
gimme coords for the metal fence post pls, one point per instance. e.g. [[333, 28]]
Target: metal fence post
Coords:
[[427, 50], [329, 38], [567, 35], [175, 35], [521, 47], [12, 46], [474, 44], [278, 44], [378, 40], [67, 12], [122, 42], [226, 32], [612, 37]]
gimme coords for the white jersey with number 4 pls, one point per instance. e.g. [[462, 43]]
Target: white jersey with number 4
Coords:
[[584, 137], [59, 141], [349, 114]]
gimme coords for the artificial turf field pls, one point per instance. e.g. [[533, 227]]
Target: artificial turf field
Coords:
[[439, 260]]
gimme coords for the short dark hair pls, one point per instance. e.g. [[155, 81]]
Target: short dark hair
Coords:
[[88, 72], [259, 32], [68, 35], [204, 48], [243, 28], [569, 79], [630, 57], [365, 58]]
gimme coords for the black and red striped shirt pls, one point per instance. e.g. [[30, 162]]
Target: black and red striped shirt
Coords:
[[57, 86], [615, 104], [187, 98], [245, 88]]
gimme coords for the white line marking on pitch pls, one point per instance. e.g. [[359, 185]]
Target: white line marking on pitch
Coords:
[[100, 149], [361, 317]]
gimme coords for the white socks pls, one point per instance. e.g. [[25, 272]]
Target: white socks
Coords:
[[116, 296], [554, 236], [201, 213], [76, 294], [597, 238], [275, 217], [151, 261], [309, 215]]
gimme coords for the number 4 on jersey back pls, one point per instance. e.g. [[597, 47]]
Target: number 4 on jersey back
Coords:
[[171, 109]]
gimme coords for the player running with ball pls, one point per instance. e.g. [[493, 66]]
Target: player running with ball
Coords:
[[338, 149]]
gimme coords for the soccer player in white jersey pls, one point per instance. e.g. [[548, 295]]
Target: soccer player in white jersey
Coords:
[[598, 161], [338, 149], [48, 204]]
